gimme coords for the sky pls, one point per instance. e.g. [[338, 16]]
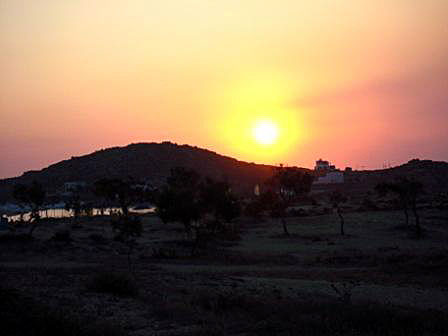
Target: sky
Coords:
[[362, 83]]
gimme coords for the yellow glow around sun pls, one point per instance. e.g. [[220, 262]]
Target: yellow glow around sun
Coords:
[[265, 132], [258, 121]]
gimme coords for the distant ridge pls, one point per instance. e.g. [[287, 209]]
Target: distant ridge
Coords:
[[433, 175], [151, 162]]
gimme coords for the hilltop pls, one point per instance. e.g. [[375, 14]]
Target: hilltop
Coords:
[[433, 175], [151, 162]]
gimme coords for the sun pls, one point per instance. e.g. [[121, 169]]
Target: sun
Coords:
[[265, 132]]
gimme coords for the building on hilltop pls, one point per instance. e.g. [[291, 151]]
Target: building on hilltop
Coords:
[[327, 173], [322, 165]]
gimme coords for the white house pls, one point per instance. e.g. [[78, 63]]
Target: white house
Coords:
[[327, 173], [322, 165]]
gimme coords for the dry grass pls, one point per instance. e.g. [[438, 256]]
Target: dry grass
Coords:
[[22, 316], [262, 284], [119, 284], [234, 313]]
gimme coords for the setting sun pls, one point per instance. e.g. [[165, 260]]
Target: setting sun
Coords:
[[254, 116], [265, 132]]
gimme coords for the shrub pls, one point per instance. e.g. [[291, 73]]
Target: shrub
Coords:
[[113, 283]]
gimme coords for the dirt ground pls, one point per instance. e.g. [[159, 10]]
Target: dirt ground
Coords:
[[378, 261]]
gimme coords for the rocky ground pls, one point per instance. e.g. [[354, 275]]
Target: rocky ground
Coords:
[[377, 279]]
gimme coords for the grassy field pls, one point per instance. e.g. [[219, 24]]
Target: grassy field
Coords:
[[377, 279]]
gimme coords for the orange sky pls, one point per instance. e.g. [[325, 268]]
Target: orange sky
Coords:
[[357, 82]]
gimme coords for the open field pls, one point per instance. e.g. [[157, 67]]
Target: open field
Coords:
[[312, 282]]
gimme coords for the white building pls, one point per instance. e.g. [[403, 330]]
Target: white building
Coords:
[[327, 173]]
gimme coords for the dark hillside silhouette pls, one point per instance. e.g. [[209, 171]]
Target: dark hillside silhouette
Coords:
[[151, 162], [432, 174]]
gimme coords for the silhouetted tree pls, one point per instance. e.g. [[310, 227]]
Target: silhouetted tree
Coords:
[[74, 205], [117, 190], [87, 209], [128, 229], [180, 199], [407, 190], [188, 199], [20, 193], [101, 190], [33, 196], [218, 199], [336, 199], [287, 185], [78, 208], [219, 202]]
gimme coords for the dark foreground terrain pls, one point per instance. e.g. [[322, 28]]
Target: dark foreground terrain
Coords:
[[377, 280]]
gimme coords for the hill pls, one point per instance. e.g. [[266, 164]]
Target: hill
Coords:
[[433, 175], [151, 162]]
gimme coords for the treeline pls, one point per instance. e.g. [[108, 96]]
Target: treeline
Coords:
[[207, 207]]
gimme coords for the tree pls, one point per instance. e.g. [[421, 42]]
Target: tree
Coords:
[[336, 199], [33, 196], [20, 194], [128, 229], [74, 204], [218, 202], [78, 207], [192, 201], [287, 185], [101, 191], [180, 199], [217, 198], [117, 190], [407, 190]]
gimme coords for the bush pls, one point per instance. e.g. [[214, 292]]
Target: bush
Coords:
[[113, 283]]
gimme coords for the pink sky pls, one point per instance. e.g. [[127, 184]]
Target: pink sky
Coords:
[[357, 82]]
